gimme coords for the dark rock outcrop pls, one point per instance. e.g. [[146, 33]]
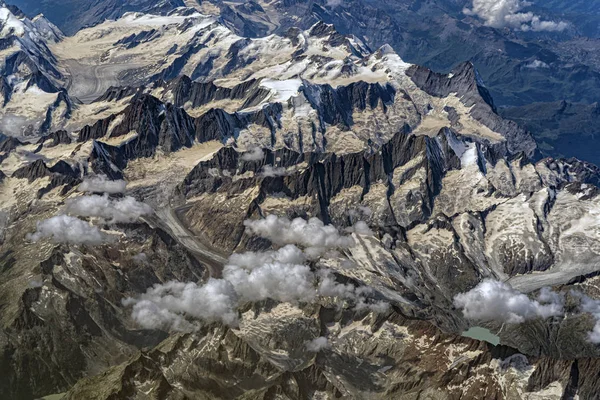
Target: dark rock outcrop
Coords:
[[9, 143], [33, 171], [55, 138], [336, 106], [466, 83], [116, 93], [196, 94], [60, 174], [84, 317]]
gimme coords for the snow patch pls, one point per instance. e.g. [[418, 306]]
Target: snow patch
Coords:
[[284, 90]]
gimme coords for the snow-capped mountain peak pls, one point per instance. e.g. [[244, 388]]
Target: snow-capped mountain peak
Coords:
[[47, 29], [11, 25], [38, 29]]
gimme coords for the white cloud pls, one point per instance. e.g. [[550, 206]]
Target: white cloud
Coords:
[[593, 307], [278, 281], [538, 25], [166, 306], [254, 154], [536, 64], [281, 275], [67, 229], [334, 3], [329, 287], [101, 184], [271, 171], [360, 211], [360, 228], [14, 125], [318, 344], [492, 300], [495, 301], [150, 313], [506, 13], [312, 234], [126, 209], [378, 307], [247, 277]]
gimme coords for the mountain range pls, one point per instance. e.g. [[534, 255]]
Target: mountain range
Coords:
[[203, 203], [519, 67]]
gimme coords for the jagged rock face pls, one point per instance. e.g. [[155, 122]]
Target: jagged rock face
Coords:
[[56, 138], [30, 79], [319, 375], [68, 313], [310, 124], [521, 70], [332, 88], [185, 92], [474, 369], [340, 119], [8, 143], [433, 200], [415, 28], [429, 186], [61, 175], [465, 82]]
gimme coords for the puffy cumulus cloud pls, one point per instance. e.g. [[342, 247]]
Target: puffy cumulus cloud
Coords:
[[35, 283], [254, 154], [506, 13], [278, 281], [318, 344], [537, 64], [590, 306], [329, 287], [537, 25], [496, 301], [247, 277], [281, 275], [361, 228], [312, 234], [14, 125], [167, 305], [270, 171], [492, 300], [101, 184], [67, 229], [378, 307], [125, 210]]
